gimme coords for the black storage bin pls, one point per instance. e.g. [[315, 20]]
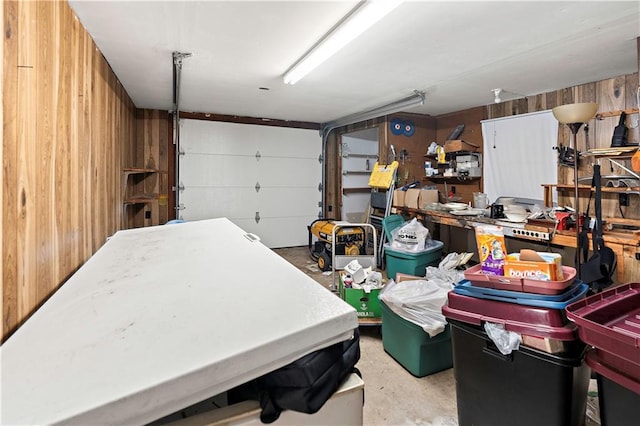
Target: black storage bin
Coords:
[[526, 387], [618, 393]]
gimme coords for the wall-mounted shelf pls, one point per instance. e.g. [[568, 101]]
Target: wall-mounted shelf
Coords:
[[131, 177], [361, 190], [356, 172], [548, 190], [620, 153], [451, 178]]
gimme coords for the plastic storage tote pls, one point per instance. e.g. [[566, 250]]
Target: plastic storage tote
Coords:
[[479, 279], [573, 293], [610, 321], [526, 387], [412, 347], [529, 320], [412, 263], [618, 394]]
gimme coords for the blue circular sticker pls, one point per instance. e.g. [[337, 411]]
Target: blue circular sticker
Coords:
[[397, 126], [409, 128]]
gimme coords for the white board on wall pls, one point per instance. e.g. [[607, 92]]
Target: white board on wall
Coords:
[[519, 155], [239, 170]]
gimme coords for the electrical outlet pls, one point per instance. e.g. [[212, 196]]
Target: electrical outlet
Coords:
[[623, 199]]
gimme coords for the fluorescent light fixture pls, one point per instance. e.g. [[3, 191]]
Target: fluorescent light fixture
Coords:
[[363, 16], [411, 101]]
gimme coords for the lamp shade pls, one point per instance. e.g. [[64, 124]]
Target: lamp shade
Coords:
[[575, 113]]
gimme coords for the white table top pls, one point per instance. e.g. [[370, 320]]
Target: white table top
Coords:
[[161, 318]]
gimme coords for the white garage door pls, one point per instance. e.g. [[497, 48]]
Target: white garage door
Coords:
[[265, 179]]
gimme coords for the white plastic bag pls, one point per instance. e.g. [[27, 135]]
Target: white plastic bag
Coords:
[[411, 237], [506, 341], [419, 301]]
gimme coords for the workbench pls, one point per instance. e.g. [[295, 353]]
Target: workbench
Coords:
[[626, 245], [161, 318]]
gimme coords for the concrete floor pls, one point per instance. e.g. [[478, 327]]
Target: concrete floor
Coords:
[[393, 396]]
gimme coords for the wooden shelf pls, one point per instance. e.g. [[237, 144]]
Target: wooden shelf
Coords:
[[137, 170], [141, 199], [548, 190], [626, 189], [451, 178], [133, 198], [356, 190]]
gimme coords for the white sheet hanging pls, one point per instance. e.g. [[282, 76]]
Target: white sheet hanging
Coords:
[[519, 155]]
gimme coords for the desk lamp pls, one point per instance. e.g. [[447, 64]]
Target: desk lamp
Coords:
[[574, 116]]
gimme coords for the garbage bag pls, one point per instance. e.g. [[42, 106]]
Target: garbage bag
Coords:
[[419, 301], [506, 341], [412, 237]]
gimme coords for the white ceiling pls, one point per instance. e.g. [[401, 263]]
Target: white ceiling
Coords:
[[454, 51]]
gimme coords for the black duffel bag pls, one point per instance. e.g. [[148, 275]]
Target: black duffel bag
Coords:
[[305, 384]]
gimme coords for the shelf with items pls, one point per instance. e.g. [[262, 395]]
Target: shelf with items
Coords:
[[458, 179], [549, 187]]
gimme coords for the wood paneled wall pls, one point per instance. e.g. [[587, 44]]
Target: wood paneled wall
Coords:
[[611, 95], [472, 133], [68, 125], [153, 150], [411, 168]]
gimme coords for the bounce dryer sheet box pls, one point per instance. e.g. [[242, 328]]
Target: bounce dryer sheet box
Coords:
[[547, 269]]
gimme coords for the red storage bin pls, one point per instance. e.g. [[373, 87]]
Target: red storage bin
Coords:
[[528, 320], [479, 279], [610, 321]]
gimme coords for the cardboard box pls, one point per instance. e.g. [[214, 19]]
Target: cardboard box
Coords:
[[398, 197], [549, 270], [459, 145], [428, 196], [412, 198]]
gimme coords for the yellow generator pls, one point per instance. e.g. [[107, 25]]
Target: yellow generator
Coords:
[[350, 241]]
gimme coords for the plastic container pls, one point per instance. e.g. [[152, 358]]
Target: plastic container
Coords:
[[475, 275], [618, 394], [573, 293], [412, 263], [610, 321], [529, 320], [390, 223], [412, 347], [526, 387]]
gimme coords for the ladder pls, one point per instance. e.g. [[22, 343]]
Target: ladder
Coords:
[[382, 183]]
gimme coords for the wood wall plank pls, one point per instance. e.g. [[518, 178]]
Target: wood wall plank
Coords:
[[66, 123], [28, 251], [10, 198]]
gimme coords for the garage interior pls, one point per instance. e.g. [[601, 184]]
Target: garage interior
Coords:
[[123, 117]]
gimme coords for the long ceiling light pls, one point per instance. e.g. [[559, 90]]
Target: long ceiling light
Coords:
[[357, 21]]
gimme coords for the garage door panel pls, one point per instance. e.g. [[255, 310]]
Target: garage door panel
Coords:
[[283, 171], [207, 203], [297, 202], [295, 143], [210, 137], [279, 232], [218, 170]]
